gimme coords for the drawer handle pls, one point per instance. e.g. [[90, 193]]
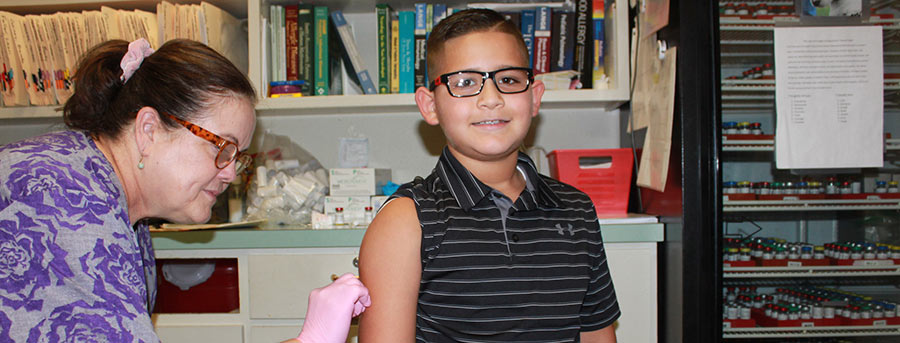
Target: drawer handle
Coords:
[[334, 277]]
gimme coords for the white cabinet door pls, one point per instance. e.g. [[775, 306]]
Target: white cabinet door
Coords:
[[278, 333], [280, 283], [633, 269], [201, 333]]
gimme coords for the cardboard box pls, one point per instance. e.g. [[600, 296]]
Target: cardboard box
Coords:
[[357, 181]]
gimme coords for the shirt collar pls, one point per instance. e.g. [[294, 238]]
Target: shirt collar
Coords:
[[468, 190]]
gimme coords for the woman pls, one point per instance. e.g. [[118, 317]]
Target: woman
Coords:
[[151, 135]]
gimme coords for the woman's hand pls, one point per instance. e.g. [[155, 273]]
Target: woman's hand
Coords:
[[331, 308]]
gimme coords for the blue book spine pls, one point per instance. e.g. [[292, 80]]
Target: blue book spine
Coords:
[[598, 49], [407, 51], [528, 34], [542, 33], [421, 34], [440, 12]]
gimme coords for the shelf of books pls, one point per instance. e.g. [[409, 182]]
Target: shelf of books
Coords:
[[376, 61], [319, 57]]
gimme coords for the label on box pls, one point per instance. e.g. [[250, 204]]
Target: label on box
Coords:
[[354, 208], [357, 181], [376, 201], [871, 263], [321, 220]]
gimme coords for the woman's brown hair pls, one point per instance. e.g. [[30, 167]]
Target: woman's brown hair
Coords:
[[182, 78]]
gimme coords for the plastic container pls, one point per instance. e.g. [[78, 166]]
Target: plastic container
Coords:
[[603, 174]]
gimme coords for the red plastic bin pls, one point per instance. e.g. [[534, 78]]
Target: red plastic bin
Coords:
[[603, 174], [218, 294]]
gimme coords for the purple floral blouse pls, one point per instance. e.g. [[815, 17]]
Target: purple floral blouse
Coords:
[[72, 268]]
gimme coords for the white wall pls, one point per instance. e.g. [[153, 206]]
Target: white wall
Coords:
[[400, 141], [409, 146]]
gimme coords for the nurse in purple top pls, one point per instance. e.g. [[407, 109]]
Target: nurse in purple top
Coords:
[[151, 135]]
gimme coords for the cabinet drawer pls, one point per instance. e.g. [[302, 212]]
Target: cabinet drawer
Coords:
[[201, 333], [280, 283]]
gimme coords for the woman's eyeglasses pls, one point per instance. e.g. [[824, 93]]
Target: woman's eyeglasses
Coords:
[[470, 82], [228, 150]]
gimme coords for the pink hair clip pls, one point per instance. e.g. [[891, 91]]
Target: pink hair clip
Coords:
[[137, 51]]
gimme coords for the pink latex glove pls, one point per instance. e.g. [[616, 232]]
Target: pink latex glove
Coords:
[[331, 308]]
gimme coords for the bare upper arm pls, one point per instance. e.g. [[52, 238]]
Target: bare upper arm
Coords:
[[389, 265], [604, 335]]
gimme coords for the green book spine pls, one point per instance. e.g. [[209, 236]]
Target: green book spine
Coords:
[[305, 46], [429, 18], [383, 12], [320, 30]]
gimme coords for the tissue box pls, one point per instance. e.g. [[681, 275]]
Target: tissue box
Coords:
[[357, 181]]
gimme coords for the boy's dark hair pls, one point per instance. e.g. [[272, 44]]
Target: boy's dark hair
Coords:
[[182, 78], [465, 22]]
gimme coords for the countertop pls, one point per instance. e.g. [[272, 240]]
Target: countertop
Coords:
[[305, 238]]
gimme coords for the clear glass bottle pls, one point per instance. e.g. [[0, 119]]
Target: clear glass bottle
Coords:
[[368, 215], [881, 186], [338, 219]]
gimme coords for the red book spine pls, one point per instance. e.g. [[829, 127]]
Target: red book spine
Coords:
[[291, 39]]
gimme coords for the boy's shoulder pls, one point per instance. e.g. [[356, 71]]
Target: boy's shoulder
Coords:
[[417, 188], [566, 192]]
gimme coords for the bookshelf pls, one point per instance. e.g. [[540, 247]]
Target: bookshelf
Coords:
[[359, 12]]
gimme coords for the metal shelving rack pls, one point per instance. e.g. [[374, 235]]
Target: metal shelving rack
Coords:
[[810, 271], [806, 332], [809, 205], [747, 145], [750, 42]]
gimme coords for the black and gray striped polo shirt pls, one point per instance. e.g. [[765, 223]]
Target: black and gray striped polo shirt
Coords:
[[536, 272]]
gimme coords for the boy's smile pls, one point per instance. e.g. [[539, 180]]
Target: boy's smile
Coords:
[[490, 125]]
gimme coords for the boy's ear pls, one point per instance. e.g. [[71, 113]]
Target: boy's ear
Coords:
[[537, 91], [147, 126], [425, 102]]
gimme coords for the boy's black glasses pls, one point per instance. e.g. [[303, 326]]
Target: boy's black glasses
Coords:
[[465, 83]]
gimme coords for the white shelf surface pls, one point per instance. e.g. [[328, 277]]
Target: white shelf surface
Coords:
[[809, 205], [809, 272], [359, 104], [824, 331], [769, 85], [748, 148]]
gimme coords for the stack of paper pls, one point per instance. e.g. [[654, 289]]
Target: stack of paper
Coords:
[[207, 24], [39, 53]]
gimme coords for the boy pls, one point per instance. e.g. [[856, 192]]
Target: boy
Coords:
[[485, 249]]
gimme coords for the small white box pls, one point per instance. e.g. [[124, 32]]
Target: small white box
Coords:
[[357, 181], [354, 207], [376, 201]]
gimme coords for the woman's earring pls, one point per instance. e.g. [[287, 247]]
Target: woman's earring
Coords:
[[141, 163]]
